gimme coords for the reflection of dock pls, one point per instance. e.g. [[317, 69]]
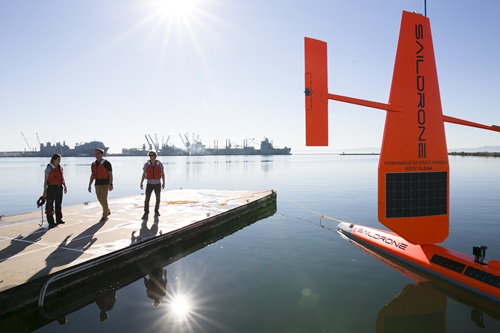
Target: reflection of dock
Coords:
[[82, 251]]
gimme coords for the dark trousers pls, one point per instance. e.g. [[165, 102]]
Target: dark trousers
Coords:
[[149, 190], [54, 196]]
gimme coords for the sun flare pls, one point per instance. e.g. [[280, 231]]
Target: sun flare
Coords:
[[177, 8], [180, 306]]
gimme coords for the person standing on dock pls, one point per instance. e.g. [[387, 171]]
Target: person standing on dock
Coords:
[[53, 190], [153, 172], [102, 172]]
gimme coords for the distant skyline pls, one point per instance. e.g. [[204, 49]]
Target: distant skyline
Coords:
[[115, 70]]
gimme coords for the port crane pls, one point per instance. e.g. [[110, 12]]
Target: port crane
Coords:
[[149, 143], [186, 142], [157, 144], [38, 139], [27, 143]]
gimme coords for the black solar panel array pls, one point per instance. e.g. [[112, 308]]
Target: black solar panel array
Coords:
[[477, 274], [414, 194]]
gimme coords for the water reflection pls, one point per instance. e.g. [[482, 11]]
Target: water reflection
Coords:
[[105, 303], [156, 285], [418, 307]]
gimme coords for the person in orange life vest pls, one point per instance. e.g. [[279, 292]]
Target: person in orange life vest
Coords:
[[102, 173], [53, 190], [153, 172]]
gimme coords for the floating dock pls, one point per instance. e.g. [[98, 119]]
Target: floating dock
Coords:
[[41, 266]]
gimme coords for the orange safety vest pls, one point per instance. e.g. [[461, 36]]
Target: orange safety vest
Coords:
[[150, 170], [99, 171], [56, 176]]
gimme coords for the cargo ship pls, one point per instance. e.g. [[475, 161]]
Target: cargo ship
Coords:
[[266, 148], [83, 149], [195, 147]]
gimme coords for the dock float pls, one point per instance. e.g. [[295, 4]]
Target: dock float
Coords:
[[41, 267]]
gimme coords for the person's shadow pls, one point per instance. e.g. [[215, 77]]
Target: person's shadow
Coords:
[[145, 232], [77, 247], [20, 243], [156, 285]]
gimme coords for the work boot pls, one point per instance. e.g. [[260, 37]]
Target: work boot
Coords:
[[157, 213]]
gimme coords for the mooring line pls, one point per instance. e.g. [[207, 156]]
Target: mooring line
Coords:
[[321, 216]]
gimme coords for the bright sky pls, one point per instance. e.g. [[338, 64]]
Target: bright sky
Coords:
[[115, 70]]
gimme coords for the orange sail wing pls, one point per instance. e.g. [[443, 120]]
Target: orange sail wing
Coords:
[[413, 166], [413, 178], [316, 83]]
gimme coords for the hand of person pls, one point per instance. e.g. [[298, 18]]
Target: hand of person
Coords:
[[65, 189], [90, 189], [111, 187], [163, 186], [141, 186]]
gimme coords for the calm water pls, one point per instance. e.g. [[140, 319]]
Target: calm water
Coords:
[[283, 273]]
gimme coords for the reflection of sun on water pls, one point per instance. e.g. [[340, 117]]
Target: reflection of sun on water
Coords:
[[180, 306], [187, 309]]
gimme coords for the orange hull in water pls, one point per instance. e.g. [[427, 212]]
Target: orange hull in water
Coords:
[[482, 279]]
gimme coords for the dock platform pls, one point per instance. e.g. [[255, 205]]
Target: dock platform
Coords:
[[37, 263]]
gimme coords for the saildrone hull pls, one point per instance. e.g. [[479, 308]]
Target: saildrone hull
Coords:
[[453, 267]]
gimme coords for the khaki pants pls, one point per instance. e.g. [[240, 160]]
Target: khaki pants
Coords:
[[101, 192]]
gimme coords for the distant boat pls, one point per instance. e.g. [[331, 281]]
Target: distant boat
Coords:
[[266, 148], [197, 148], [84, 149]]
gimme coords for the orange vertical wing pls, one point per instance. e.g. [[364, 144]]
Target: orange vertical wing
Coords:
[[316, 83], [413, 166]]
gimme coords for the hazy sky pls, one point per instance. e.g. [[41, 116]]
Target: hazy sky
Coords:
[[114, 70]]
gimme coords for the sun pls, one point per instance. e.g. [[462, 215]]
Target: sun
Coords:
[[177, 8]]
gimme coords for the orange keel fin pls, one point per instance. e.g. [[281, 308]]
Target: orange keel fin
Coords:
[[316, 91]]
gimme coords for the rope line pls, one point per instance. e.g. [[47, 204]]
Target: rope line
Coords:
[[321, 216]]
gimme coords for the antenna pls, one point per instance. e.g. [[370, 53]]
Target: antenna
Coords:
[[425, 8]]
